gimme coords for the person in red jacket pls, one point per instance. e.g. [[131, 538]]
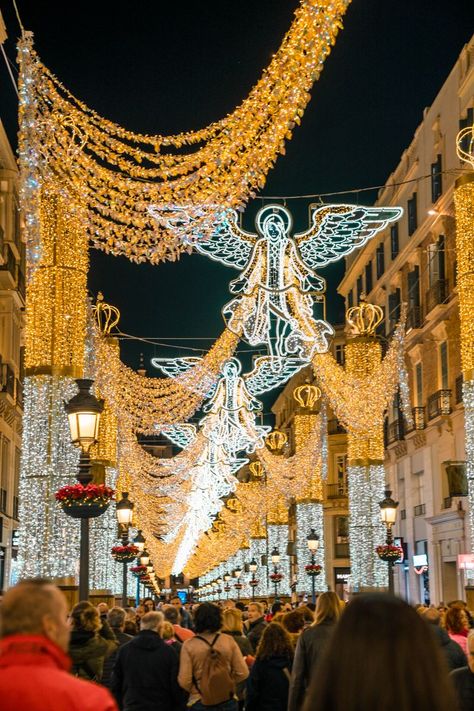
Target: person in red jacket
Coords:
[[34, 666]]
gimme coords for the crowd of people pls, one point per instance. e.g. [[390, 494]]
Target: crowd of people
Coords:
[[377, 652]]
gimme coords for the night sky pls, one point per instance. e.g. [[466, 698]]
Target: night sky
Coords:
[[153, 67]]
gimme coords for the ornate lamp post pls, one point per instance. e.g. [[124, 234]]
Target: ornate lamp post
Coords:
[[253, 582], [313, 569], [124, 511], [83, 411], [139, 542], [389, 552], [238, 584], [227, 577], [276, 576]]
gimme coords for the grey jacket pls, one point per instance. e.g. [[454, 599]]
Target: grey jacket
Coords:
[[308, 652]]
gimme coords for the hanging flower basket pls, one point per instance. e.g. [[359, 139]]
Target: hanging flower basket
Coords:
[[125, 554], [312, 570], [237, 586], [253, 583], [276, 577], [227, 588], [81, 501], [139, 571], [390, 554]]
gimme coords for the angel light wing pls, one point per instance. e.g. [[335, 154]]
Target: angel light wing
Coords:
[[269, 372], [336, 230], [181, 435], [228, 243], [172, 367]]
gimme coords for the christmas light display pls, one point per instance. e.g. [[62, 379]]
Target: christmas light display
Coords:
[[273, 290], [464, 206], [118, 175]]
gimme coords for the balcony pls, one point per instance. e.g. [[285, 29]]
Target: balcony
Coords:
[[439, 404], [419, 510], [414, 318], [337, 491], [334, 427], [419, 420], [447, 502], [395, 431], [8, 269], [7, 380], [458, 389], [437, 294]]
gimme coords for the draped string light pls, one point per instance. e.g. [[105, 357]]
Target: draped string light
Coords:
[[119, 175], [464, 206]]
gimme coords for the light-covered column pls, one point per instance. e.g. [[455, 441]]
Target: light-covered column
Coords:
[[258, 551], [277, 533]]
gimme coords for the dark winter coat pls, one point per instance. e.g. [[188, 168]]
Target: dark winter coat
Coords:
[[145, 675], [109, 663], [88, 650], [451, 649], [35, 676], [255, 631], [268, 685], [310, 645], [463, 680], [246, 648]]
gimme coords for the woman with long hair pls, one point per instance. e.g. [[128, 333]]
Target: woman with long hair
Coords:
[[310, 646], [92, 640], [269, 680], [457, 626], [381, 657], [233, 625]]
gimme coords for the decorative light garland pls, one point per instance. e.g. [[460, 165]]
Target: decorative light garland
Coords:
[[118, 175]]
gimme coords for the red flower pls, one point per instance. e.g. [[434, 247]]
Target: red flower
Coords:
[[123, 550], [89, 494], [138, 570]]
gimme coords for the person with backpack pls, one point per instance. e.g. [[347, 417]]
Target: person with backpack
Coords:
[[211, 664]]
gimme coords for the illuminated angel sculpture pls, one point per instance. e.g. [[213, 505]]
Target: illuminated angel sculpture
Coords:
[[273, 291]]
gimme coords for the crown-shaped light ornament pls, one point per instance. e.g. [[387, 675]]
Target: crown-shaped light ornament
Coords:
[[307, 395], [106, 316], [256, 469], [234, 505], [364, 319], [276, 440], [465, 138]]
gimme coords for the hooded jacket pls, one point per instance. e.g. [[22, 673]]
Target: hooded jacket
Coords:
[[88, 651], [34, 675], [268, 685], [145, 675]]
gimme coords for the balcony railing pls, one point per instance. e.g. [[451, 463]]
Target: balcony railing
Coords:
[[334, 427], [336, 491], [447, 502], [395, 431], [419, 420], [458, 389], [2, 239], [438, 293], [414, 318], [419, 510], [7, 380], [21, 284], [439, 404]]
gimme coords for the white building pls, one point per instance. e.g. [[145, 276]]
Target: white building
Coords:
[[415, 262]]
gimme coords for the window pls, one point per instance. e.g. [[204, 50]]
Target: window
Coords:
[[412, 215], [394, 303], [360, 288], [4, 473], [340, 352], [436, 263], [419, 384], [380, 259], [350, 299], [341, 547], [368, 278], [414, 288], [436, 180], [443, 365], [341, 473], [394, 247]]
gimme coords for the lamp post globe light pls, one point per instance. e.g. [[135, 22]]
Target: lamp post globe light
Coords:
[[139, 542], [313, 545], [83, 411], [238, 585], [124, 512], [388, 516]]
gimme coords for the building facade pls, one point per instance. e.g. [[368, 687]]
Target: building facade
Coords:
[[12, 304], [414, 262]]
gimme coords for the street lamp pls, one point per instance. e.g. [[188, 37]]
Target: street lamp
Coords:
[[139, 542], [124, 512], [388, 516], [144, 557], [275, 557], [253, 565], [313, 545], [83, 411], [238, 584]]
